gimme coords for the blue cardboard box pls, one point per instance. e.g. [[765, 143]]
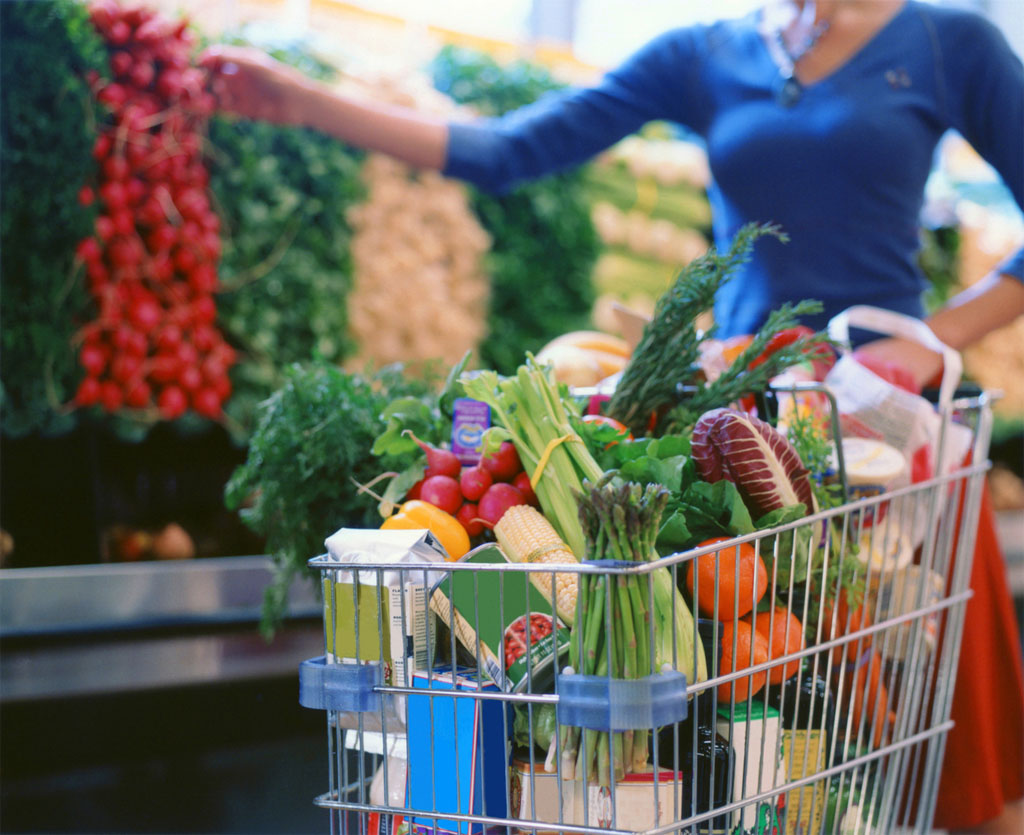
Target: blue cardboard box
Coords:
[[458, 750]]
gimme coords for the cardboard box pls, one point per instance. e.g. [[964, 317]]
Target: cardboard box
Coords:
[[534, 795], [638, 804], [381, 615], [458, 751], [749, 736]]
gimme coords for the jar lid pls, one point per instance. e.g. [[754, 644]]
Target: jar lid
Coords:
[[871, 462]]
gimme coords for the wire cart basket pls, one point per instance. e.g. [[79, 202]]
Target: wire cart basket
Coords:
[[448, 688]]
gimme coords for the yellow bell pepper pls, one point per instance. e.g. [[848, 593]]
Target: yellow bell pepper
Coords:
[[417, 514]]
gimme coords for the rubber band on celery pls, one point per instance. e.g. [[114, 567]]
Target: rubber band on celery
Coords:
[[546, 455]]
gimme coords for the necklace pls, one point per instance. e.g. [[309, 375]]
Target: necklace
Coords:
[[805, 36]]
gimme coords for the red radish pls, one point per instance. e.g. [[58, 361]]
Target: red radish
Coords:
[[111, 396], [138, 394], [88, 250], [102, 146], [414, 491], [191, 378], [169, 338], [115, 168], [439, 461], [145, 314], [141, 75], [207, 403], [93, 359], [442, 491], [172, 402], [104, 227], [468, 515], [204, 311], [522, 483], [504, 463], [88, 392], [119, 33], [474, 482], [86, 195], [124, 222], [498, 498], [114, 195], [125, 367], [114, 95]]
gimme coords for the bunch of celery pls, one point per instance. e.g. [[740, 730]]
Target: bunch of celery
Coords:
[[537, 415], [613, 636]]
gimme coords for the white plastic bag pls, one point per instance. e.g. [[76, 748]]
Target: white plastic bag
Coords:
[[875, 408]]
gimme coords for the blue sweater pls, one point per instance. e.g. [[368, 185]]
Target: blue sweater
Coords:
[[842, 171]]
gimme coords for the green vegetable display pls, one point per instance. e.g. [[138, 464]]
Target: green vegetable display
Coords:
[[282, 194], [307, 457], [48, 130], [544, 244]]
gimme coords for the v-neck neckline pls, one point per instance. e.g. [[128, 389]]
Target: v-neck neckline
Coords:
[[766, 39]]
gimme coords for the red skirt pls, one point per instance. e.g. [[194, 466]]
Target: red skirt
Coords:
[[984, 764]]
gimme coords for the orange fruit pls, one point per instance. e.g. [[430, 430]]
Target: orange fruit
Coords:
[[847, 620], [749, 576], [749, 643], [774, 628]]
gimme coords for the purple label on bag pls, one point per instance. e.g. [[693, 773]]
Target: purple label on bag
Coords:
[[471, 418]]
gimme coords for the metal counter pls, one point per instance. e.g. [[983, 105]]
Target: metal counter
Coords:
[[93, 629]]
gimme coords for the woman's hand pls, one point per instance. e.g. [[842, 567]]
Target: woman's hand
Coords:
[[909, 362], [248, 82]]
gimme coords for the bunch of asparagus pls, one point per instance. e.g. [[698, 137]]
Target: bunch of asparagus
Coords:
[[614, 634]]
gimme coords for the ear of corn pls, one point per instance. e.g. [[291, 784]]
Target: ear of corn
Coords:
[[526, 536]]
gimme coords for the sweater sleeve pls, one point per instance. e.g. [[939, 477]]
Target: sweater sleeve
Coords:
[[985, 85], [566, 128]]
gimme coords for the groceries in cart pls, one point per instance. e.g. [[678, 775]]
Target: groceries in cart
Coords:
[[678, 602]]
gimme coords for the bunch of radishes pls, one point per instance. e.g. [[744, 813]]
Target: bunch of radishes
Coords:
[[152, 264], [478, 494]]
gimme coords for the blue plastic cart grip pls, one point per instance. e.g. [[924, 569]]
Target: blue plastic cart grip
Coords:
[[346, 687], [617, 704]]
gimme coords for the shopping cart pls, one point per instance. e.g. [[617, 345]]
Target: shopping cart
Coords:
[[430, 730]]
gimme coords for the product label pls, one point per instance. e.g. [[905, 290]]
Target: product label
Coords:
[[804, 755], [471, 418], [756, 740], [400, 639]]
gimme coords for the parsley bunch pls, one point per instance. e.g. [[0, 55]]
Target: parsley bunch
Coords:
[[310, 451]]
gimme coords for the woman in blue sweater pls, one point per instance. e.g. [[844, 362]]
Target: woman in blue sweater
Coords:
[[821, 118]]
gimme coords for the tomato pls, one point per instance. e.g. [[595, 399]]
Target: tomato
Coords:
[[781, 340]]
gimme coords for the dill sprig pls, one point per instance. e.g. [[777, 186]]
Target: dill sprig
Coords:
[[668, 353]]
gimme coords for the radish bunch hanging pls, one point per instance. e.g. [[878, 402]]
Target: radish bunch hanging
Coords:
[[151, 265]]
